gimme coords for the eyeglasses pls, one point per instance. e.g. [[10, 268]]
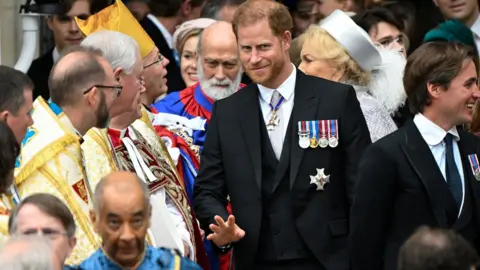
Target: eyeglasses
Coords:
[[47, 232], [118, 89], [159, 59]]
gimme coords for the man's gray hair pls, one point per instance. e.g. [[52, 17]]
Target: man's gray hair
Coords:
[[120, 50], [33, 252], [98, 194], [199, 44]]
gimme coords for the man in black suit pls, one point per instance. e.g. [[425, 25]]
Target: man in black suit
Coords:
[[426, 173], [161, 23], [290, 204], [65, 33]]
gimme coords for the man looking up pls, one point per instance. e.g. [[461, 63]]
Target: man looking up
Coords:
[[160, 24], [65, 33], [122, 213], [137, 148], [83, 88]]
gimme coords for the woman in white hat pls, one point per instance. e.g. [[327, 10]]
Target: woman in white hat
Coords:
[[339, 50]]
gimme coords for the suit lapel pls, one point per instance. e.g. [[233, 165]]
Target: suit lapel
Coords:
[[420, 157], [304, 109], [249, 122], [467, 147]]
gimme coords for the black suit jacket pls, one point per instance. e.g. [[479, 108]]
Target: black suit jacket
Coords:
[[231, 165], [39, 72], [174, 77], [401, 188]]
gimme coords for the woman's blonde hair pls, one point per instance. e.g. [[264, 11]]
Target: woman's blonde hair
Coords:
[[183, 39], [328, 49]]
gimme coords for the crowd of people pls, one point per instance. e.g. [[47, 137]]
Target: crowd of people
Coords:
[[244, 134]]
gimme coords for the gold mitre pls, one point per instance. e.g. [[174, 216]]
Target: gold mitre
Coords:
[[117, 17]]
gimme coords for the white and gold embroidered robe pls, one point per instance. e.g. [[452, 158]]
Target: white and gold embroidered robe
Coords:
[[51, 162]]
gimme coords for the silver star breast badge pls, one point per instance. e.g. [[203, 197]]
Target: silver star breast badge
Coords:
[[320, 179]]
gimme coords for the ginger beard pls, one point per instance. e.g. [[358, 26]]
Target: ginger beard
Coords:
[[266, 70]]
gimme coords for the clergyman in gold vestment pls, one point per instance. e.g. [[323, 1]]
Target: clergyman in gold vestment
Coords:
[[51, 159]]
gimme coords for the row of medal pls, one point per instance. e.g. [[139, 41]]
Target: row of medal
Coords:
[[475, 166], [323, 133]]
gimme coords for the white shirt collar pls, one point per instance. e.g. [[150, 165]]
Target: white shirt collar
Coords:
[[476, 27], [432, 133], [55, 55], [286, 89], [168, 37]]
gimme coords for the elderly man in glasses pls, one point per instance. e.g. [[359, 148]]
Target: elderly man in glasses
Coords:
[[130, 143], [82, 91]]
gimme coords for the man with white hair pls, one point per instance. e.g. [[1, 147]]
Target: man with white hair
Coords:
[[184, 116], [29, 252], [130, 143], [124, 57]]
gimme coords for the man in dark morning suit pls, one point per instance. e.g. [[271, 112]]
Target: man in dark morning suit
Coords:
[[425, 173], [160, 24], [65, 33], [290, 203]]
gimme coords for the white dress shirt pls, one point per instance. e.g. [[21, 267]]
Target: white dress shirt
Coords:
[[168, 37], [55, 55], [434, 135], [287, 90], [476, 33]]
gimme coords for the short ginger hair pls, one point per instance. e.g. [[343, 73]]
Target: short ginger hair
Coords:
[[253, 11]]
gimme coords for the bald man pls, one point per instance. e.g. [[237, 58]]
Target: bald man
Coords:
[[82, 90], [219, 72], [121, 216]]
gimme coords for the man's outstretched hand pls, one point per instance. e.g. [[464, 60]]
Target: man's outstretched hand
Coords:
[[225, 232]]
